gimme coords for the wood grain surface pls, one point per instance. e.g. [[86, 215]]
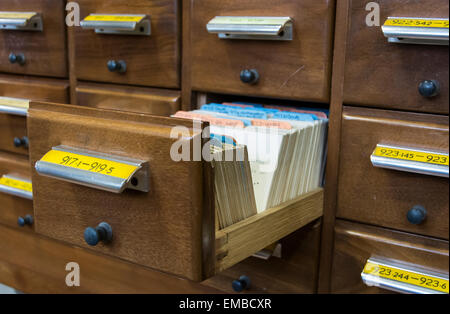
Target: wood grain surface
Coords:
[[151, 60], [297, 69], [385, 75], [356, 243], [45, 52], [383, 197]]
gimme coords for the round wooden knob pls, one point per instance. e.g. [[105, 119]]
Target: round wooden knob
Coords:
[[417, 215], [429, 88], [18, 142], [103, 232], [23, 221], [117, 66], [17, 58], [249, 76], [241, 284]]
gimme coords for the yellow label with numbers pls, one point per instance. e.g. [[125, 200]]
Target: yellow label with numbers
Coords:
[[411, 155], [16, 15], [417, 23], [249, 20], [91, 164], [16, 184], [409, 277], [14, 102], [114, 18]]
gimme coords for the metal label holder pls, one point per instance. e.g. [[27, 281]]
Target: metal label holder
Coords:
[[14, 190], [410, 165], [421, 35], [14, 106], [118, 24], [77, 169], [372, 278], [252, 28], [21, 21]]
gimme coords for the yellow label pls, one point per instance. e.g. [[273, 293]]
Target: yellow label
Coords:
[[249, 20], [409, 277], [16, 15], [395, 153], [417, 23], [91, 164], [16, 184], [14, 102], [114, 18]]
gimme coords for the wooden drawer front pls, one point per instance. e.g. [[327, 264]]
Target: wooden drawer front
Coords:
[[297, 69], [382, 74], [161, 229], [150, 60], [355, 244], [381, 196], [143, 100], [295, 272], [13, 207], [169, 228], [44, 51], [12, 126]]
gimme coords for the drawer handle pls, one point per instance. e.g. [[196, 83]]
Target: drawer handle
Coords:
[[403, 277], [118, 24], [21, 142], [12, 185], [426, 31], [15, 106], [17, 58], [417, 215], [94, 170], [117, 66], [241, 284], [23, 221], [103, 232], [251, 27], [411, 160], [21, 21], [249, 76], [429, 88]]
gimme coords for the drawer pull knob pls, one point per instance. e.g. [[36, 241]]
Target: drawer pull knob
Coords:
[[241, 284], [23, 221], [429, 88], [18, 142], [19, 58], [417, 215], [117, 66], [249, 76], [103, 232]]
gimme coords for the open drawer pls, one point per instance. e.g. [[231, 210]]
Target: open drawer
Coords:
[[154, 211]]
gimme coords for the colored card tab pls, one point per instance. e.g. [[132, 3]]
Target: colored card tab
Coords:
[[16, 184], [406, 276], [91, 164], [14, 102], [411, 22], [412, 155]]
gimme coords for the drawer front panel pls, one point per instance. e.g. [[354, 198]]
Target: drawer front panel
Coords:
[[296, 69], [355, 244], [295, 272], [161, 228], [12, 206], [150, 60], [12, 126], [142, 100], [388, 75], [44, 51], [384, 197]]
